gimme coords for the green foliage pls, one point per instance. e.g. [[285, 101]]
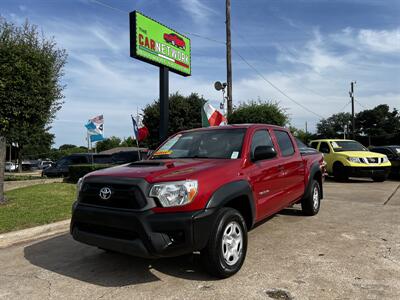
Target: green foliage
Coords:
[[20, 177], [108, 143], [301, 134], [379, 121], [265, 112], [30, 90], [66, 147], [36, 205], [56, 154], [78, 171], [184, 113], [333, 126]]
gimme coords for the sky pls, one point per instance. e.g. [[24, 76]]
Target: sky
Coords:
[[300, 53]]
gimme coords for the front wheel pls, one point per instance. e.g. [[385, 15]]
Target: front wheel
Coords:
[[310, 205], [227, 246]]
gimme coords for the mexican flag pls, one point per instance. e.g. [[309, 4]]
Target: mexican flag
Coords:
[[211, 117]]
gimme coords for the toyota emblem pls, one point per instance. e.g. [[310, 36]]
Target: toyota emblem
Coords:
[[105, 193]]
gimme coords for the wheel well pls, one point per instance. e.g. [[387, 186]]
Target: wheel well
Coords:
[[242, 205], [337, 164], [318, 178]]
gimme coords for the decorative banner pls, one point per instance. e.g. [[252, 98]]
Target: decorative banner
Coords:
[[159, 45], [211, 117], [95, 127]]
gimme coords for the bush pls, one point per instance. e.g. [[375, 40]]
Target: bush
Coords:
[[264, 112], [20, 177], [78, 171]]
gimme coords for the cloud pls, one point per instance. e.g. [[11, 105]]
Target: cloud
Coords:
[[199, 12], [380, 40]]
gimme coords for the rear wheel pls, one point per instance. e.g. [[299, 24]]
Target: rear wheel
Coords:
[[310, 205], [227, 246], [339, 172]]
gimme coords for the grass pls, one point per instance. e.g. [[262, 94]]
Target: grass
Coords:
[[36, 205]]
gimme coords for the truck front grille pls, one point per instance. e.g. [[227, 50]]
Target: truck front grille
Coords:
[[123, 196]]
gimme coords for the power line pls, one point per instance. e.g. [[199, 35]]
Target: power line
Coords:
[[359, 103], [108, 6], [275, 87], [345, 106]]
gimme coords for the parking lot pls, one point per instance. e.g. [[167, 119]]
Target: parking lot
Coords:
[[350, 250]]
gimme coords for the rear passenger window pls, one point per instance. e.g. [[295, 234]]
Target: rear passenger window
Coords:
[[314, 145], [324, 147], [284, 142], [260, 138]]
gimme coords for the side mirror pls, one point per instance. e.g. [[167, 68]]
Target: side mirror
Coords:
[[264, 152]]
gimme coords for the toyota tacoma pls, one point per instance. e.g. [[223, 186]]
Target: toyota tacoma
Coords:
[[200, 191]]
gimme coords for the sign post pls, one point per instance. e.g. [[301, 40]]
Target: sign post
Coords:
[[161, 46]]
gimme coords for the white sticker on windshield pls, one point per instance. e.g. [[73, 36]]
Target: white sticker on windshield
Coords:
[[235, 154], [398, 150], [335, 145]]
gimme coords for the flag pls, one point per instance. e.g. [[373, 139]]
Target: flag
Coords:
[[135, 129], [95, 127], [141, 133], [211, 117]]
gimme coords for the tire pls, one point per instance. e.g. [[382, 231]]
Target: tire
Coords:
[[340, 172], [310, 205], [380, 178], [218, 259]]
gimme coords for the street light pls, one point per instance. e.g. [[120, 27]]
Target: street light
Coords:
[[221, 87]]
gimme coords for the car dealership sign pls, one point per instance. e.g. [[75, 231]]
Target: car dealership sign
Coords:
[[157, 44]]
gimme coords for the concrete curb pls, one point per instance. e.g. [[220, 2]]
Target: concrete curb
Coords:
[[12, 185], [25, 235]]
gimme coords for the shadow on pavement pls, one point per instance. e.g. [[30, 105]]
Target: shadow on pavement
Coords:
[[67, 257], [350, 180]]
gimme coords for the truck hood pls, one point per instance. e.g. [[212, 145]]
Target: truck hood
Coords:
[[166, 169], [360, 154]]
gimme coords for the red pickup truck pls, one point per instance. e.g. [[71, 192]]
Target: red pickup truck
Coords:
[[201, 190]]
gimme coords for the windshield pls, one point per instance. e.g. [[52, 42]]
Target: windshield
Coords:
[[340, 146], [225, 144]]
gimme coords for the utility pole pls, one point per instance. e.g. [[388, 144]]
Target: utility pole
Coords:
[[306, 128], [353, 123], [228, 57]]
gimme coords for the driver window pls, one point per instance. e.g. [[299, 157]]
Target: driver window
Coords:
[[324, 148], [260, 138]]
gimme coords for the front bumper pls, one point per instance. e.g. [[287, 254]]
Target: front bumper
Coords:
[[144, 234], [367, 171]]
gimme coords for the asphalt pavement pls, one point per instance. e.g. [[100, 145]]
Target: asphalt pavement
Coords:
[[350, 250]]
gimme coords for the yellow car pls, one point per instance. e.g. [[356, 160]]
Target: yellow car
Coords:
[[347, 158]]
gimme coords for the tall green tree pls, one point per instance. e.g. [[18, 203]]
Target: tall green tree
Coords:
[[334, 126], [266, 112], [378, 122], [108, 143], [184, 113], [31, 67]]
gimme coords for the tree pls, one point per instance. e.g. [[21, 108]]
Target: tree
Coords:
[[333, 127], [66, 147], [108, 143], [301, 134], [184, 113], [266, 112], [39, 145], [379, 122], [31, 68]]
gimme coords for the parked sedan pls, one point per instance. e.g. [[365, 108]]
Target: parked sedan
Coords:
[[393, 154]]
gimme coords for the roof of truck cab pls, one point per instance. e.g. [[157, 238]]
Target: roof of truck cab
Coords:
[[234, 126]]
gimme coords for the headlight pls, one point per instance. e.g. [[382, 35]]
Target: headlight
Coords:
[[355, 160], [385, 159], [79, 186], [174, 193]]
